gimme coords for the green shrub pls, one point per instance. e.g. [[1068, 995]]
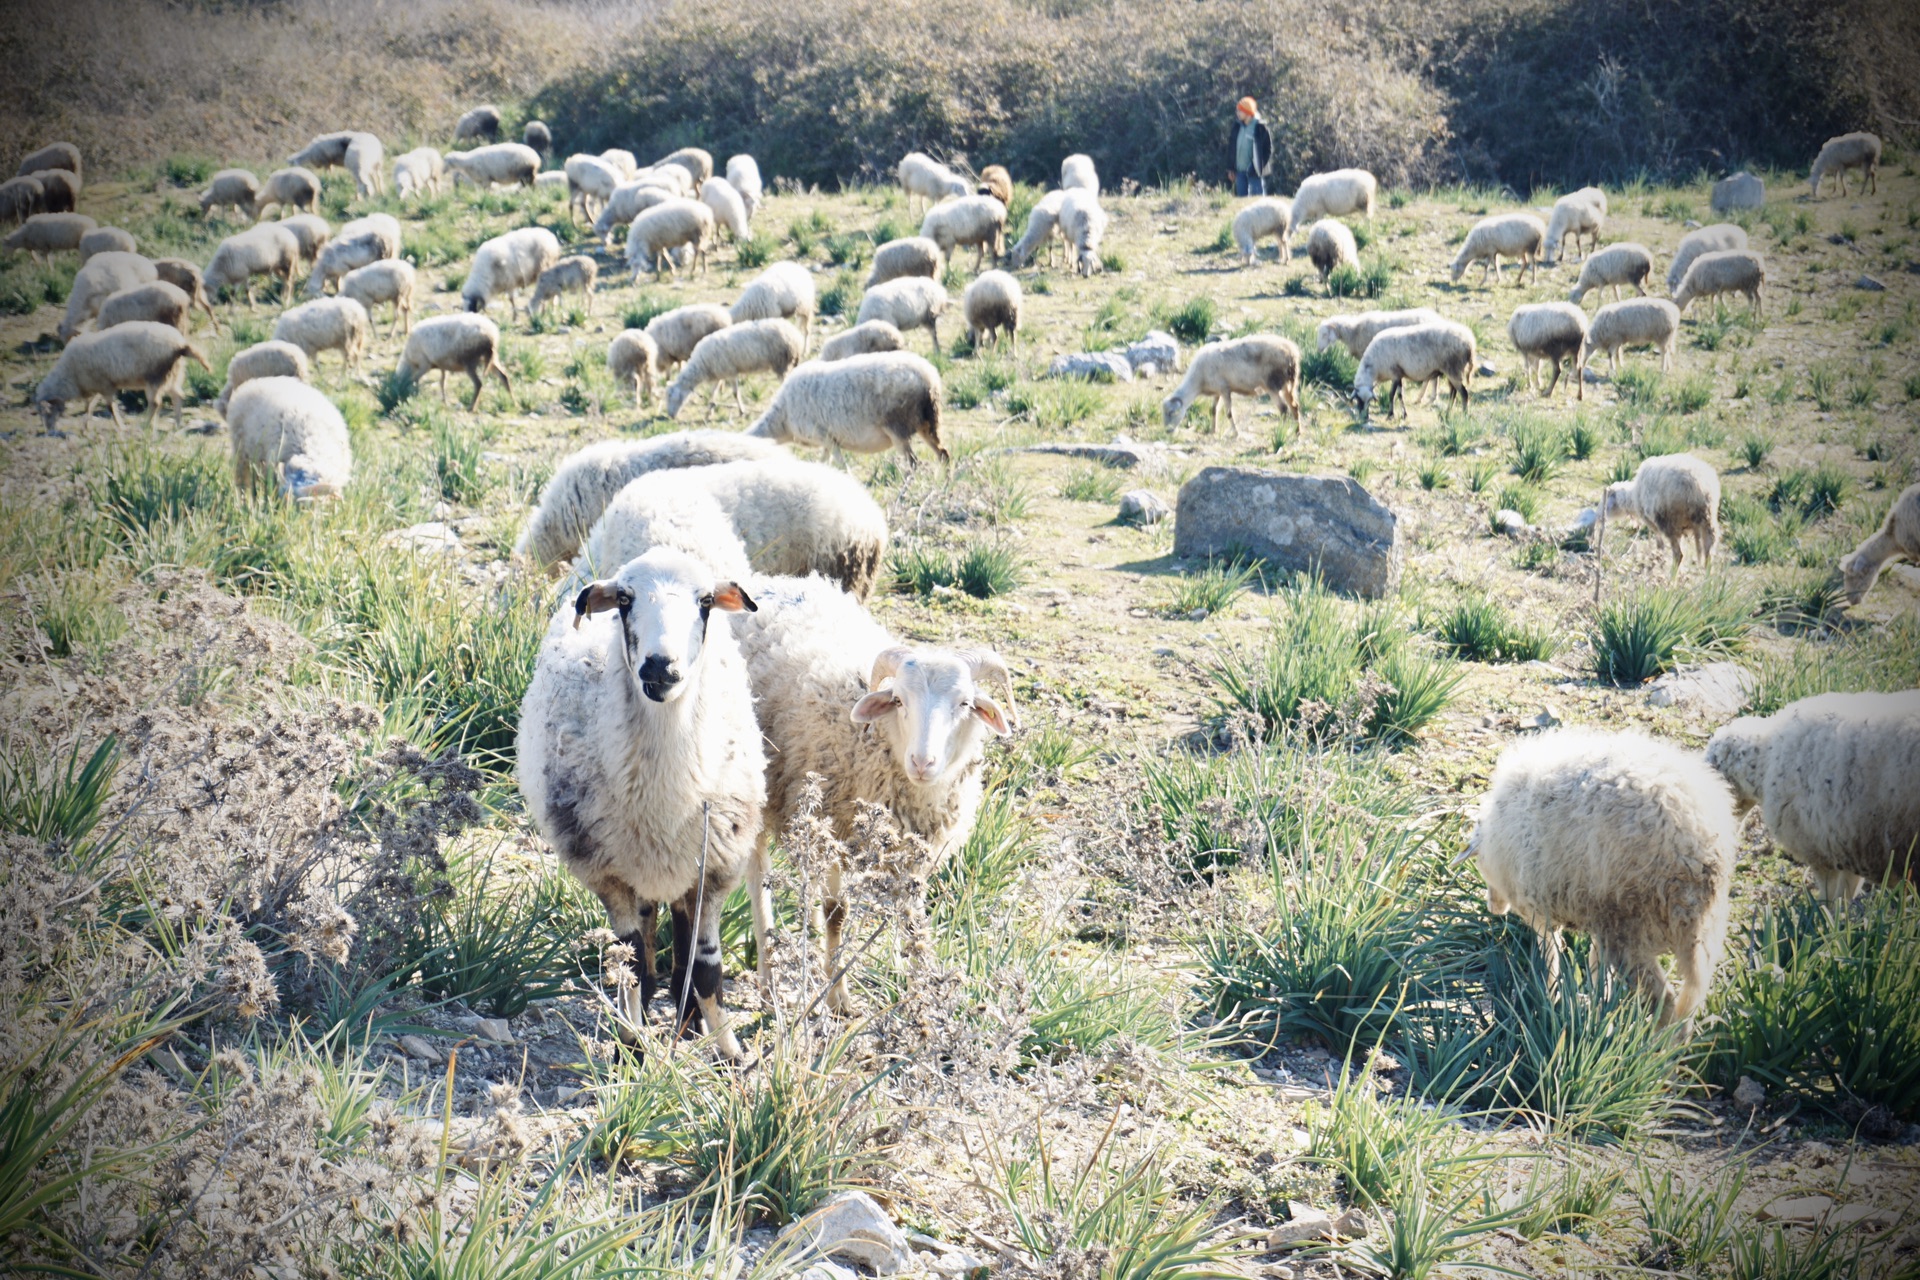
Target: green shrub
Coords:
[[1539, 447], [1193, 321], [493, 942], [1213, 589], [982, 570], [757, 251], [1092, 483], [1644, 632], [1478, 629]]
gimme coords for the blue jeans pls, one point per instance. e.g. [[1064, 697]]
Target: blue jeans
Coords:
[[1248, 182]]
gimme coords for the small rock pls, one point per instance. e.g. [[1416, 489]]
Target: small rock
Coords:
[[1749, 1094], [851, 1226], [957, 1263], [1691, 224], [1280, 1273], [1304, 1227], [1162, 651], [1802, 1209], [429, 538], [1718, 688], [1741, 191], [1091, 364], [494, 1029], [1511, 522], [1141, 507], [1487, 370], [1147, 370], [1118, 454], [1870, 284], [1587, 518], [1158, 349], [1545, 718], [1869, 1216], [825, 1270], [416, 1047], [1198, 615], [1351, 1225]]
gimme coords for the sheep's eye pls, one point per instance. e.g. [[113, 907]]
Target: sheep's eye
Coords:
[[706, 601], [624, 599]]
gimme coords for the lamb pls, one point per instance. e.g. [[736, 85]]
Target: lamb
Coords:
[[784, 291], [863, 339], [622, 162], [1848, 151], [1416, 353], [992, 307], [106, 274], [382, 226], [1553, 332], [654, 235], [729, 210], [677, 332], [912, 256], [1616, 265], [1043, 227], [1728, 271], [389, 280], [482, 121], [45, 234], [311, 233], [640, 758], [155, 300], [55, 155], [1653, 322], [628, 202], [141, 354], [507, 264], [1833, 777], [297, 189], [235, 189], [1672, 494], [503, 164], [1626, 837], [1580, 213], [672, 178], [1354, 332], [342, 255], [59, 190], [589, 180], [980, 221], [907, 303], [366, 161], [1332, 195], [327, 151], [757, 346], [418, 172], [326, 324], [744, 173], [107, 240], [1330, 246], [1504, 235], [923, 176], [697, 163], [21, 198], [995, 181], [262, 360], [537, 135], [875, 722], [866, 404], [1083, 225], [1245, 366], [186, 277], [1267, 216], [1078, 174], [1714, 239], [550, 180], [287, 433], [632, 359], [1898, 536], [468, 343]]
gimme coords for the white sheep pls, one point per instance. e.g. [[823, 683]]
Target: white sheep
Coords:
[[1083, 225], [992, 305], [327, 151], [1636, 322], [1238, 366], [55, 155], [1502, 235], [677, 332], [235, 189], [310, 232], [1553, 332], [622, 162], [744, 173], [629, 201], [575, 273], [391, 280], [1712, 275], [909, 256], [979, 221], [262, 360], [297, 189], [863, 339], [186, 277], [1579, 213], [537, 135], [1333, 195], [142, 354], [1848, 151], [995, 181], [907, 303], [1673, 494], [107, 240], [673, 178], [1266, 216], [507, 264], [383, 227], [44, 234], [922, 176], [503, 164], [287, 434], [155, 300], [1416, 353], [591, 181], [1714, 239], [1624, 263], [1622, 836], [365, 162], [654, 235], [866, 404], [1898, 535], [729, 209], [327, 324], [1330, 246], [482, 121], [1077, 173], [1354, 332], [1043, 228], [730, 354], [784, 291], [632, 361], [697, 163], [418, 172], [103, 276], [341, 255], [21, 198], [464, 342]]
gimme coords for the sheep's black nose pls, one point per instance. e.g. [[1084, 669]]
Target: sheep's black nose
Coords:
[[657, 675]]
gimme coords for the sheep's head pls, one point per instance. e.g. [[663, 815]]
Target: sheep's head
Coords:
[[49, 408], [1858, 572], [664, 598], [1618, 498], [1174, 408], [1326, 335], [1738, 753], [933, 706]]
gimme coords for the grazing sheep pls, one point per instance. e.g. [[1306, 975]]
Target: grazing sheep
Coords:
[[418, 172], [262, 360], [186, 277], [1354, 332], [107, 240], [482, 121], [911, 256], [1330, 245], [504, 164], [45, 234], [1672, 494], [1550, 331], [21, 198], [677, 332], [628, 202], [1729, 271], [1243, 366], [654, 235], [862, 340], [573, 274], [923, 176], [462, 341], [365, 162], [631, 360], [730, 354], [907, 303], [1043, 228], [866, 404], [784, 291], [142, 354], [389, 280], [156, 300], [1083, 225], [991, 305], [1416, 353], [1625, 837], [640, 758], [980, 221], [1898, 536], [287, 434], [1833, 776], [875, 722], [1504, 235], [1714, 239], [296, 189], [1637, 322], [1333, 195], [382, 226], [235, 189], [697, 163], [537, 135], [1078, 174], [103, 276], [744, 173], [59, 190], [622, 162], [551, 180], [311, 233], [1580, 213], [1625, 263], [1266, 216], [507, 264], [327, 151], [729, 210], [341, 255], [326, 324], [590, 181], [55, 155], [995, 181], [1848, 151], [671, 178], [266, 249]]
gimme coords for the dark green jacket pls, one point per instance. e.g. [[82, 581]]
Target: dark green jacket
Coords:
[[1262, 146]]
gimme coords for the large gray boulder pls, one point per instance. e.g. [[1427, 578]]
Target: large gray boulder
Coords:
[[1741, 191], [1324, 524]]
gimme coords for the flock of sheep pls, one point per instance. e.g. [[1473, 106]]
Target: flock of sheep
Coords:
[[661, 749]]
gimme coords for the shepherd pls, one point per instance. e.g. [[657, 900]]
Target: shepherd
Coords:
[[1250, 148]]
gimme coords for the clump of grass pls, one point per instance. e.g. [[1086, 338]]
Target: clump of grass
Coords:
[[1092, 483], [1056, 405], [1193, 321], [1688, 394], [1755, 448], [1432, 475], [1538, 449], [1112, 262], [1521, 498], [640, 313], [1647, 631], [1689, 1229], [1583, 439], [492, 942], [982, 570], [1880, 659], [1804, 599], [457, 459], [1481, 473], [1332, 369], [1379, 1146], [1213, 589], [1479, 629]]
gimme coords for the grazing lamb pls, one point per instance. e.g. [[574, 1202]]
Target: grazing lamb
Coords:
[[1637, 322], [1333, 195], [628, 202], [235, 189], [55, 155], [907, 303], [632, 360], [991, 305], [729, 210], [418, 172], [744, 173], [1078, 174], [1729, 271], [912, 256], [866, 404], [622, 161], [730, 354], [389, 280], [1581, 213], [341, 255], [504, 164], [464, 342], [1330, 245], [1628, 838], [1266, 216], [143, 355], [507, 264], [327, 151], [45, 234], [784, 291], [155, 300], [1043, 228], [979, 221], [1083, 225], [59, 190], [1354, 332], [365, 162], [1416, 353], [1714, 239], [1243, 366], [1504, 235], [697, 163], [923, 176], [311, 233], [677, 332], [21, 198], [1897, 537], [186, 277], [107, 240], [1553, 332], [296, 189], [872, 721], [382, 226], [654, 235], [326, 324], [590, 181], [482, 121], [862, 340], [575, 273], [105, 275], [995, 181], [1625, 263], [267, 249], [1833, 776], [537, 135], [287, 434], [1848, 151], [262, 360], [1672, 494]]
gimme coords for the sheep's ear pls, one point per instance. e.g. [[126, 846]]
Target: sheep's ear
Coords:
[[990, 714], [874, 706], [733, 597], [596, 597]]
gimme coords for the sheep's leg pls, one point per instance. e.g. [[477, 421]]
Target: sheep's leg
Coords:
[[1673, 541], [704, 971], [835, 924], [1643, 967], [443, 386], [1233, 417], [1694, 966], [739, 405], [473, 371], [113, 407]]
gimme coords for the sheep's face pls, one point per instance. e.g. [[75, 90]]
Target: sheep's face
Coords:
[[49, 410], [1619, 498], [1737, 752], [929, 705], [665, 599], [1857, 575], [1173, 409], [1326, 337]]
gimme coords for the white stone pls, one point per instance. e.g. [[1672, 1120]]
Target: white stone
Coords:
[[1510, 522], [1091, 364], [494, 1029], [1741, 191], [1143, 507], [852, 1227], [1720, 689], [432, 537]]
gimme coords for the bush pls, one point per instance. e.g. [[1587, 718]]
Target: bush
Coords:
[[1645, 632], [1192, 322], [983, 570], [1212, 589], [1483, 631]]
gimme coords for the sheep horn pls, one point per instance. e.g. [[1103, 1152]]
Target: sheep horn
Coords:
[[886, 665], [988, 669]]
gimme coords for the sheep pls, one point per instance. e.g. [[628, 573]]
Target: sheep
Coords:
[[262, 360], [757, 346], [482, 121], [1833, 778], [186, 277], [106, 274], [907, 303], [267, 249], [991, 305], [462, 341], [55, 155], [1267, 216], [911, 256], [980, 221], [155, 300], [621, 161], [677, 332], [1083, 224], [327, 151], [1898, 536], [589, 180], [729, 210], [632, 360], [297, 189], [995, 181], [1550, 331], [697, 163], [1330, 246], [1848, 151], [1078, 174], [1672, 494], [1043, 227], [575, 273], [311, 233], [550, 180], [1628, 838], [863, 339], [1332, 195], [389, 280], [45, 234], [628, 202], [867, 404], [675, 179], [21, 198], [326, 324], [744, 173], [1616, 265], [508, 263], [1580, 213], [1728, 271], [1714, 239], [654, 235], [341, 255], [142, 354], [1504, 235], [1416, 353], [59, 190], [1653, 322], [640, 759], [1243, 366], [418, 172], [923, 176], [1354, 332], [870, 721], [783, 291], [235, 189], [366, 162], [537, 135], [503, 164], [287, 433], [383, 226], [107, 240]]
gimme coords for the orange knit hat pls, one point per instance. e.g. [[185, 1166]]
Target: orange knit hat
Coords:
[[1246, 108]]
